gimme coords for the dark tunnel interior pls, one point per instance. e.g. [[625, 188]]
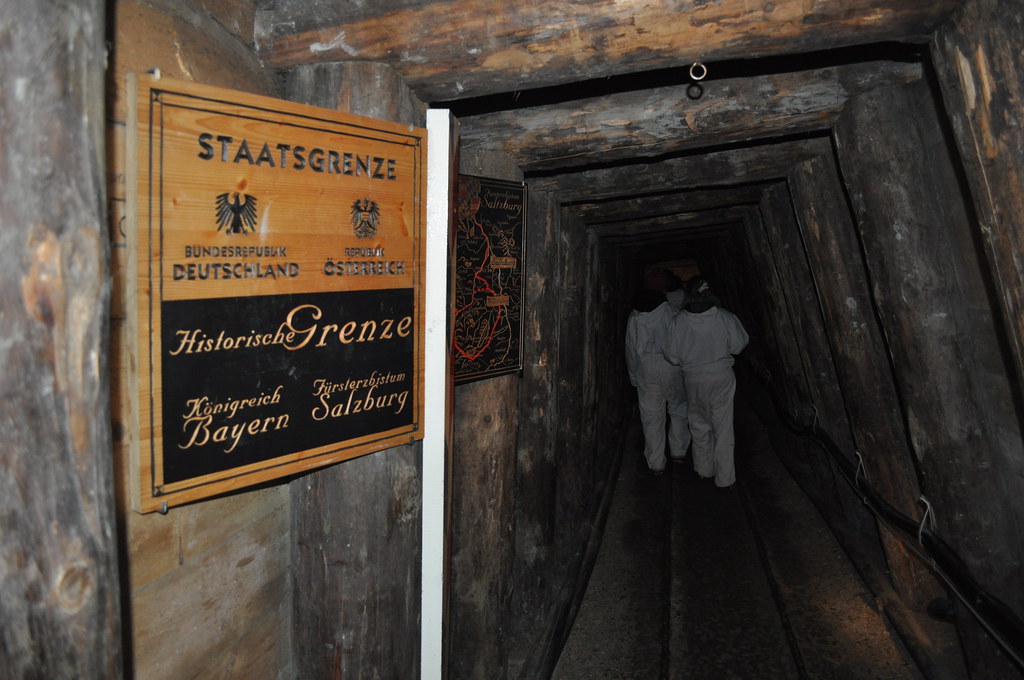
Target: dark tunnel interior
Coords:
[[748, 213]]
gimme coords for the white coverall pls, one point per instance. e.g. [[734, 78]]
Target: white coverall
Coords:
[[659, 385], [703, 344]]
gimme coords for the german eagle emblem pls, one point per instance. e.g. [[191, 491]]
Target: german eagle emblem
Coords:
[[235, 214], [365, 218]]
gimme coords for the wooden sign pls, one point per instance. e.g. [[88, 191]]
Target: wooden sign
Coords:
[[490, 247], [277, 283]]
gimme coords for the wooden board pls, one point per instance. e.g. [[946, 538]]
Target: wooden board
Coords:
[[277, 281], [515, 47]]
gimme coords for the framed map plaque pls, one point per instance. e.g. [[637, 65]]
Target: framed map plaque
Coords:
[[276, 282], [489, 257]]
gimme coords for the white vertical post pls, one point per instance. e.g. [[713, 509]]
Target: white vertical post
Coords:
[[435, 386]]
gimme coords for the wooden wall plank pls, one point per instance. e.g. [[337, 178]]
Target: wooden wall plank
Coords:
[[781, 299], [482, 544], [979, 70], [246, 570], [536, 487], [929, 289], [162, 543], [238, 16], [858, 347], [821, 388], [189, 45], [483, 485], [572, 473], [261, 652]]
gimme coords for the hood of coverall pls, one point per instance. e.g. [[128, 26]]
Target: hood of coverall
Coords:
[[647, 300], [699, 296]]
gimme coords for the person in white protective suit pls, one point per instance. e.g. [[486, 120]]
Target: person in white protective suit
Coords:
[[659, 384], [703, 340]]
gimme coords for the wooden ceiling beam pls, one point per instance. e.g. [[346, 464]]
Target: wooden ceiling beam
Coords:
[[599, 213], [453, 49], [665, 120], [764, 161], [670, 226]]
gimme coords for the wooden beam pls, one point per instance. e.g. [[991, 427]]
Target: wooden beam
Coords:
[[930, 292], [719, 167], [857, 347], [670, 203], [59, 614], [665, 120], [979, 66], [461, 48], [671, 226]]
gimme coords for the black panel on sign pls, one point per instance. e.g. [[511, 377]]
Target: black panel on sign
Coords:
[[247, 380]]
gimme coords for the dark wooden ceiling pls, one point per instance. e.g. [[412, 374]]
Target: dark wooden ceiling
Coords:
[[595, 100]]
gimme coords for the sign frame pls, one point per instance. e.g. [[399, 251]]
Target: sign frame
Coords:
[[274, 288]]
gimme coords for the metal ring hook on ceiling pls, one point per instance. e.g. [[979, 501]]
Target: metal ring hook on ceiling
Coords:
[[698, 72]]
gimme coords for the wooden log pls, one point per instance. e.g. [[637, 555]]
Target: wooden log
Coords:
[[482, 521], [675, 240], [60, 611], [979, 69], [821, 396], [665, 120], [668, 202], [859, 349], [549, 42], [482, 491], [534, 588], [758, 162], [677, 224], [356, 526], [684, 226], [929, 290]]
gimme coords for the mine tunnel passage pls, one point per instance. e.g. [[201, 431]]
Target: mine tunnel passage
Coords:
[[795, 259], [739, 577], [831, 211]]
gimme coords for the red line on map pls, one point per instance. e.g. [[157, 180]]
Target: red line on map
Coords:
[[485, 288]]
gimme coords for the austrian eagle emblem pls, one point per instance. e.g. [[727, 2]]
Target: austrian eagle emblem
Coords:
[[365, 218]]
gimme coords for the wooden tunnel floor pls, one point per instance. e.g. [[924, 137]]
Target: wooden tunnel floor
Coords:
[[693, 582]]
